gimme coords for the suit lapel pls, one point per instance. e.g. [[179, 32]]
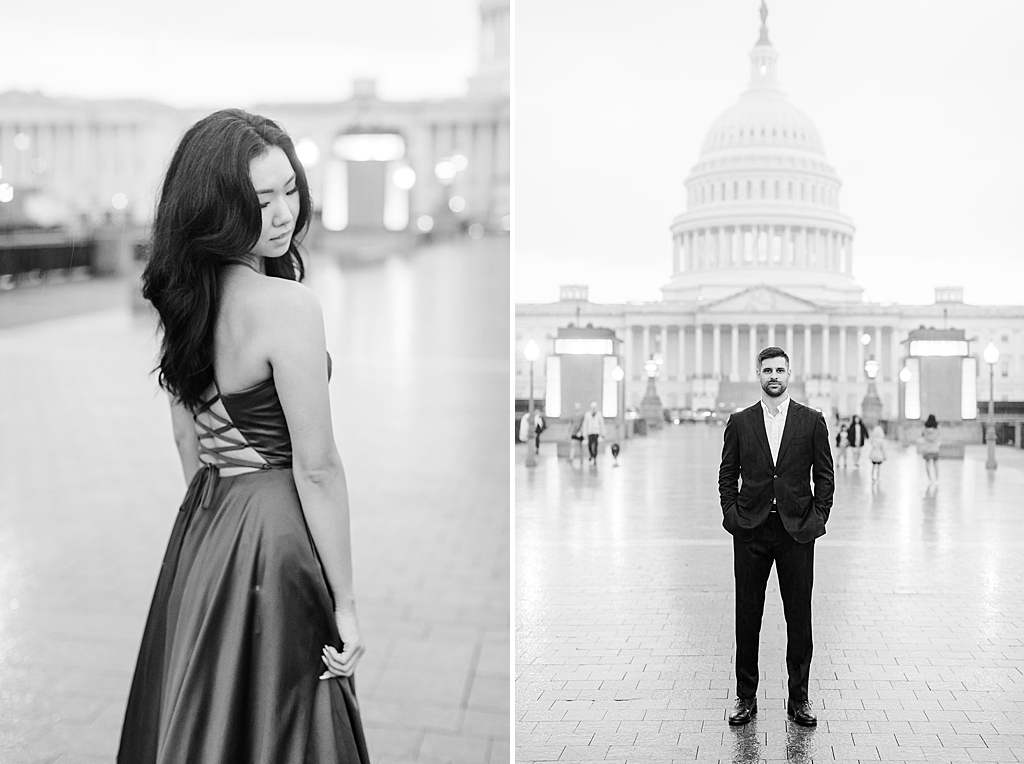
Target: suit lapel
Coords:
[[792, 422], [760, 433]]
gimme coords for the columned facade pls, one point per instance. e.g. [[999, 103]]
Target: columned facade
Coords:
[[763, 255]]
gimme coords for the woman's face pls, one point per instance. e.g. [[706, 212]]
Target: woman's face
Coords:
[[274, 180]]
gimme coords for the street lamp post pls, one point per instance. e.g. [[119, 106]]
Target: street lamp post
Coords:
[[991, 356], [531, 351]]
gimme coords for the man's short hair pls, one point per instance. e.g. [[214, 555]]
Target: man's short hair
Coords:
[[771, 352]]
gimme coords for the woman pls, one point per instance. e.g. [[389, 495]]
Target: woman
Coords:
[[843, 444], [877, 452], [930, 448], [252, 637], [858, 436]]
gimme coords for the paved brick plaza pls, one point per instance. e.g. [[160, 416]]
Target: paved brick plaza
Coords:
[[624, 613], [90, 483]]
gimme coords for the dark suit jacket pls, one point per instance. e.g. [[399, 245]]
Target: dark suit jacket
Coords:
[[804, 454]]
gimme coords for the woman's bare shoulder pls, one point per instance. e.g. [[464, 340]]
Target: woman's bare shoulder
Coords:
[[286, 312], [274, 299]]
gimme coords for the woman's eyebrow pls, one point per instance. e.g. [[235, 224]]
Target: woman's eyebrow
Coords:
[[270, 190]]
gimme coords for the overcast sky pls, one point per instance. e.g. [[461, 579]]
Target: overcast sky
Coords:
[[920, 104], [214, 53]]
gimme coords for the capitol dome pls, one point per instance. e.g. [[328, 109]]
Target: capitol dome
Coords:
[[763, 118], [762, 203]]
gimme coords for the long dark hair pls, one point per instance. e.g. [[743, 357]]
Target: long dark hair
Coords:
[[208, 215]]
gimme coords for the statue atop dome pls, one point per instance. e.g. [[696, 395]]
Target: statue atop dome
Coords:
[[763, 40]]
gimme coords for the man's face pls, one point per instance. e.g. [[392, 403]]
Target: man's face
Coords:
[[773, 374]]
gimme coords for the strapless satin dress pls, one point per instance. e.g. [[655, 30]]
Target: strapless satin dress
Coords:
[[228, 670]]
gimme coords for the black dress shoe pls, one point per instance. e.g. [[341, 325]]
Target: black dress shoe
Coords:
[[799, 712], [744, 710]]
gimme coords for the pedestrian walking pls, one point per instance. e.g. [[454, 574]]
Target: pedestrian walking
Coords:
[[843, 444], [593, 430], [858, 435], [778, 446], [252, 637], [539, 425], [930, 447], [876, 452], [576, 433]]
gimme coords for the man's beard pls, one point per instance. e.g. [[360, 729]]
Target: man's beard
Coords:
[[781, 389]]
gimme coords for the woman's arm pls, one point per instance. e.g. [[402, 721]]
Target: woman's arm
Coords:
[[298, 356], [185, 439]]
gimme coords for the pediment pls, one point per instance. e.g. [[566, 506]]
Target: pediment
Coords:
[[762, 299]]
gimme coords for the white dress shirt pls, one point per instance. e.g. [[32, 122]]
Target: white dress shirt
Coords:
[[774, 426]]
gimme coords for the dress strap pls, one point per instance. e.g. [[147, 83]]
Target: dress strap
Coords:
[[220, 456]]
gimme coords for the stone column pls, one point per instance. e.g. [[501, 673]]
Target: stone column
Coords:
[[682, 352], [896, 353], [754, 350], [826, 364], [675, 254], [716, 346], [859, 375], [805, 238], [647, 345], [690, 251], [789, 339], [628, 348], [771, 335], [849, 255], [842, 353], [768, 247], [698, 348], [734, 369], [807, 351]]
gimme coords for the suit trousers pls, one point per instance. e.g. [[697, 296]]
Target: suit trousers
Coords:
[[592, 445], [752, 563]]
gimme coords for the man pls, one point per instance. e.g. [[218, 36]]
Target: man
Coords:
[[576, 434], [539, 425], [776, 446], [593, 430]]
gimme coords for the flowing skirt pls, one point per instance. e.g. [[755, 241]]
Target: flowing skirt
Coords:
[[230, 660]]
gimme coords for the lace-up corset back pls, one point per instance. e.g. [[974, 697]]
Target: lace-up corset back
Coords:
[[246, 430]]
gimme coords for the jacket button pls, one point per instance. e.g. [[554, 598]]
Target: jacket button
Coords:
[[775, 477]]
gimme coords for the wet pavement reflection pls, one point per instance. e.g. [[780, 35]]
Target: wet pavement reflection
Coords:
[[89, 485], [624, 622]]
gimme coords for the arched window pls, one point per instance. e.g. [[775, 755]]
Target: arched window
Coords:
[[735, 189], [789, 193], [776, 189]]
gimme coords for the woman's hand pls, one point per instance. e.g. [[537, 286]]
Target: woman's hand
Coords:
[[352, 647]]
